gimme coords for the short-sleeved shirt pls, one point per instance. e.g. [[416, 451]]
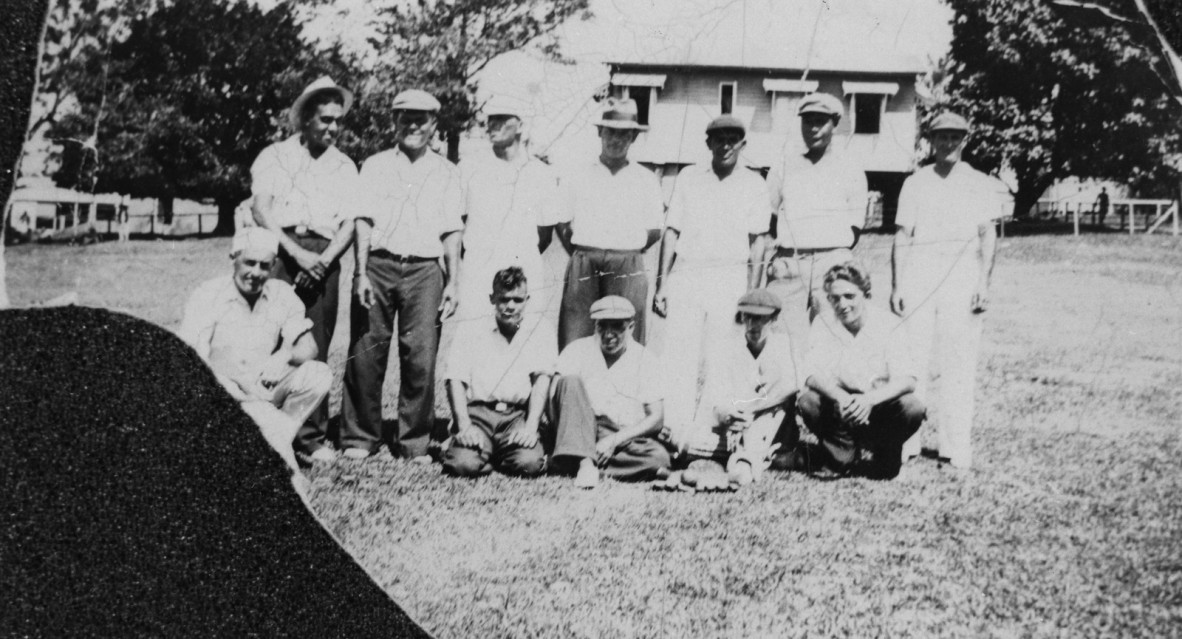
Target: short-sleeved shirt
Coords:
[[620, 392], [817, 203], [734, 375], [497, 369], [945, 214], [317, 193], [233, 337], [611, 211], [862, 362], [714, 217], [411, 204]]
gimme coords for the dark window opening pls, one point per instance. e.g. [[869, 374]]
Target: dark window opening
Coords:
[[867, 113], [641, 95], [726, 98]]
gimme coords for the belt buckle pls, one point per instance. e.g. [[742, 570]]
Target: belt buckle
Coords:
[[501, 407]]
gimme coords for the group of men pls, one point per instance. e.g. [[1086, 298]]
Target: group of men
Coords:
[[587, 397]]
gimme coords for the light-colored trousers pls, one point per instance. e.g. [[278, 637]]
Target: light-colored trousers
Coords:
[[945, 337], [753, 445], [281, 411]]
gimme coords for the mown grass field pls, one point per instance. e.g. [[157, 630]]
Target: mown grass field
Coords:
[[1070, 525]]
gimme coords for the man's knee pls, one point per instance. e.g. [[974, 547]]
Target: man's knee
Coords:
[[808, 403], [523, 462], [465, 462], [314, 377]]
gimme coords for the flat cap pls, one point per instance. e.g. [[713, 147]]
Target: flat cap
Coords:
[[948, 121], [254, 238], [725, 122], [612, 307], [759, 302], [416, 100], [821, 103], [504, 105]]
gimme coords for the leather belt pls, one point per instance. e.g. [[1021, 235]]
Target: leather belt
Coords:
[[406, 259], [793, 252], [500, 407]]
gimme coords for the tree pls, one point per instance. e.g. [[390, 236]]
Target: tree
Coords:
[[440, 47], [1051, 100], [193, 93]]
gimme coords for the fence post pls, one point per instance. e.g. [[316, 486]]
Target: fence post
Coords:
[[1078, 206], [1132, 218], [199, 218]]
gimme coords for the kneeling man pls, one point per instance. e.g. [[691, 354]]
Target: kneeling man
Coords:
[[252, 332], [497, 376], [606, 405]]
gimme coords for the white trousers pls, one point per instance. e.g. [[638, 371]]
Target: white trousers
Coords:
[[280, 411], [945, 337]]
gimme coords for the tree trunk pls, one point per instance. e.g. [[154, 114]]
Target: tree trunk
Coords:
[[453, 146], [225, 217]]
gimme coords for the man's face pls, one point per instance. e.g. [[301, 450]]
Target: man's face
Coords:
[[252, 269], [414, 129], [322, 126], [615, 142], [510, 306], [849, 303], [613, 335], [947, 145], [503, 130], [817, 130], [755, 327], [725, 145]]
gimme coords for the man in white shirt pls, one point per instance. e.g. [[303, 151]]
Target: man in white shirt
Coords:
[[409, 222], [819, 195], [510, 209], [605, 407], [942, 262], [711, 254], [611, 214], [498, 374], [302, 189], [252, 332]]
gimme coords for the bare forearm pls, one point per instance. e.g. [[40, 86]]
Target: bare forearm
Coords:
[[537, 402], [649, 426], [363, 229], [340, 242], [987, 255], [827, 387], [457, 397], [451, 256], [261, 208], [899, 255], [668, 250], [755, 260], [892, 390]]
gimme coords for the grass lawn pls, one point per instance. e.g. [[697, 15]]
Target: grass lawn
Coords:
[[1070, 524]]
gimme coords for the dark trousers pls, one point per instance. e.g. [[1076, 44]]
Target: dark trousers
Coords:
[[411, 292], [594, 273], [494, 452], [574, 429], [321, 303], [891, 424]]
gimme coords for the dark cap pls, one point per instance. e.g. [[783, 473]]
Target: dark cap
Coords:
[[821, 103], [726, 122], [759, 302]]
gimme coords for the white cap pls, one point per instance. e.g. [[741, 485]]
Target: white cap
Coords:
[[254, 238]]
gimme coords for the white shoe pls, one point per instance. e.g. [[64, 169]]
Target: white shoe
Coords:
[[421, 460], [587, 477], [323, 455], [356, 453]]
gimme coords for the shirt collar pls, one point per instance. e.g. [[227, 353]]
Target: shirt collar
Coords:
[[230, 292]]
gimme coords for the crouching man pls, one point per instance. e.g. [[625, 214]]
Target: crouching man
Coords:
[[498, 373], [748, 391], [252, 332], [606, 404]]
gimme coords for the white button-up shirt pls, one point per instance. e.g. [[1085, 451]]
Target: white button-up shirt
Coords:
[[612, 211], [714, 217], [412, 204], [945, 214], [734, 376], [317, 193], [496, 369], [817, 203], [863, 362], [619, 392]]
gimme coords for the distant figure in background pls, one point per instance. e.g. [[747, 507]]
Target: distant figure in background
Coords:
[[124, 221], [303, 190], [1101, 206], [942, 262], [510, 209], [252, 331], [497, 375], [612, 211]]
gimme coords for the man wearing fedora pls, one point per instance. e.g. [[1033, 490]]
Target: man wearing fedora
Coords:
[[510, 208], [409, 221], [303, 190], [819, 195], [612, 212], [942, 262], [710, 256]]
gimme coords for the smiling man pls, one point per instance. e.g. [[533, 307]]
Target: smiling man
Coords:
[[612, 211], [711, 254], [252, 332], [303, 189], [942, 262], [409, 222]]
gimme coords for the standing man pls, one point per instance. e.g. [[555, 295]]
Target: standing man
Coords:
[[819, 196], [941, 264], [510, 208], [409, 221], [252, 332], [605, 406], [612, 214], [711, 254], [1102, 206], [498, 374], [303, 189]]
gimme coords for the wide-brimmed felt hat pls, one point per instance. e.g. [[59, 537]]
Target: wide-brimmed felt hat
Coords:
[[612, 307], [323, 84], [620, 114], [821, 103], [759, 302]]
